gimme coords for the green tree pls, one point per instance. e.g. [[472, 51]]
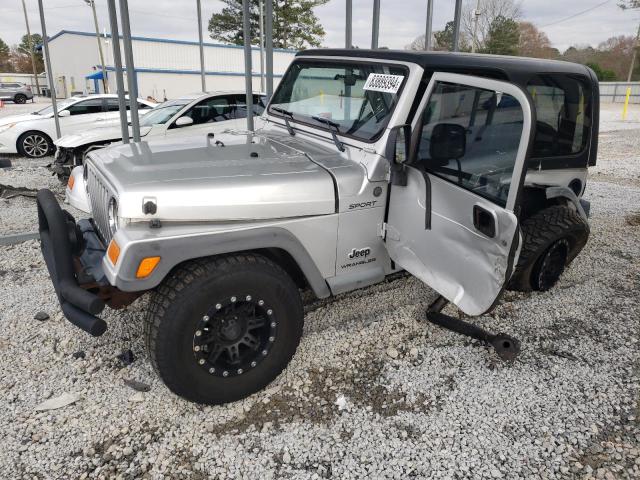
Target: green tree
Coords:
[[444, 39], [5, 57], [602, 74], [32, 43], [504, 36], [294, 23]]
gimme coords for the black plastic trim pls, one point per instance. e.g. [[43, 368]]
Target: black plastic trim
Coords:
[[78, 305]]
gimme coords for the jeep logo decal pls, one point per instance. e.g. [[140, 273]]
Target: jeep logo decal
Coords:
[[359, 252]]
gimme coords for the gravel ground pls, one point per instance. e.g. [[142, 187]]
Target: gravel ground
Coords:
[[373, 391]]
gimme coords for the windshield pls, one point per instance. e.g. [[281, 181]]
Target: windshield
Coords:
[[162, 113], [358, 98], [60, 104]]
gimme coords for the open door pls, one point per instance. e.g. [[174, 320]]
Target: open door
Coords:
[[451, 219]]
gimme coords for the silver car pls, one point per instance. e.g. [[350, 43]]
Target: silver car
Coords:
[[16, 92]]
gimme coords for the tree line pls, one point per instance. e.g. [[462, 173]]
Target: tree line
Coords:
[[17, 59], [501, 31]]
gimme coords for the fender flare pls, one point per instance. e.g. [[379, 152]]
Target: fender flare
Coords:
[[566, 192], [174, 245]]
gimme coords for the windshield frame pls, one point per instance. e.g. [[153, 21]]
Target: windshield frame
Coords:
[[301, 120]]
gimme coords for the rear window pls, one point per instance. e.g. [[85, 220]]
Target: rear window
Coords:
[[563, 110]]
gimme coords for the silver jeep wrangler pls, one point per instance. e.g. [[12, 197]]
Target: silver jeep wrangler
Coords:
[[464, 170]]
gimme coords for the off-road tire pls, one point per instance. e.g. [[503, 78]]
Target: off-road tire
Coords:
[[20, 98], [558, 226], [180, 303], [41, 144]]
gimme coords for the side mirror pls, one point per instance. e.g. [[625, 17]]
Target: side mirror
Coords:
[[397, 153], [448, 142], [64, 113], [184, 121]]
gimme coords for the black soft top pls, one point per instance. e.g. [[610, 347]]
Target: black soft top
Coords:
[[516, 69]]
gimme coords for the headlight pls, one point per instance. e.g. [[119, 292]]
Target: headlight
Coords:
[[112, 215], [4, 128]]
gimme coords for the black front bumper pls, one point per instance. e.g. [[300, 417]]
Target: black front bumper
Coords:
[[61, 244]]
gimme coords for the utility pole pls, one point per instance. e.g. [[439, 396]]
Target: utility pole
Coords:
[[92, 4], [261, 47], [248, 74], [636, 46], [203, 78], [47, 60], [33, 57], [117, 63], [456, 26], [375, 31], [476, 14], [268, 31], [348, 27], [428, 32]]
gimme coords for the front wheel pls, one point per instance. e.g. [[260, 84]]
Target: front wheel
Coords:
[[20, 98], [220, 329], [552, 238], [34, 144]]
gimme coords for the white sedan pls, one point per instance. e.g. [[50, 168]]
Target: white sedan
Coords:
[[32, 135], [191, 114]]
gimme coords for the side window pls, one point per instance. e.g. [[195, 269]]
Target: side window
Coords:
[[113, 105], [210, 110], [470, 136], [240, 106], [93, 105], [563, 113]]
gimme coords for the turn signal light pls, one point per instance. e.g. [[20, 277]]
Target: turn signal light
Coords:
[[113, 252], [72, 181], [147, 266]]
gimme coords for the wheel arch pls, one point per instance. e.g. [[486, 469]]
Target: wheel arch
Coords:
[[538, 197], [275, 243]]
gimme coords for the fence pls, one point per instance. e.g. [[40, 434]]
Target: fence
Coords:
[[615, 92]]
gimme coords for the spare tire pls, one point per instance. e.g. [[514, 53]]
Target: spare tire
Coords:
[[552, 238]]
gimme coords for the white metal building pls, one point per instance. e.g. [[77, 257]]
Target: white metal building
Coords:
[[164, 68]]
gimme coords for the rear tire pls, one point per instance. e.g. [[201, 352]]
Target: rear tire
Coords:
[[222, 328], [552, 238], [20, 98], [35, 144]]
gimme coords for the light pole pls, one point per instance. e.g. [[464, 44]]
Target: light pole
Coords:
[[476, 14], [105, 85], [268, 31], [248, 74], [636, 46], [33, 58]]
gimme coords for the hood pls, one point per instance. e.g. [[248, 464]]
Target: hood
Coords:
[[106, 133], [20, 118], [244, 177]]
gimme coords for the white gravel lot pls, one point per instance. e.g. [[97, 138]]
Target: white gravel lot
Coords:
[[416, 401]]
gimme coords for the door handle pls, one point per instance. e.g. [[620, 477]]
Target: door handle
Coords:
[[484, 221]]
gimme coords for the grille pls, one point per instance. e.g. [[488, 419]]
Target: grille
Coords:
[[99, 198]]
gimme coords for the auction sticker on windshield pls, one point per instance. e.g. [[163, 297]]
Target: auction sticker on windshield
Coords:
[[382, 82]]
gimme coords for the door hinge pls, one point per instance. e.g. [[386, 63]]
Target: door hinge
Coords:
[[382, 230], [385, 231]]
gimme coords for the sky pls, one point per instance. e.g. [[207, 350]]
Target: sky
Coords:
[[400, 20]]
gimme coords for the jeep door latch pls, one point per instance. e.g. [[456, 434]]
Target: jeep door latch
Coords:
[[505, 346]]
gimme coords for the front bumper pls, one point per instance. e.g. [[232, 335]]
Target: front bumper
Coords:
[[73, 254]]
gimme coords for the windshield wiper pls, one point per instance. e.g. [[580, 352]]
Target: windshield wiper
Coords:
[[285, 114], [335, 128]]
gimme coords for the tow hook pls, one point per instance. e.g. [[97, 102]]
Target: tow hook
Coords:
[[505, 346]]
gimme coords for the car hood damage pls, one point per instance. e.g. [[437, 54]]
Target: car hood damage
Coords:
[[233, 176], [107, 133]]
